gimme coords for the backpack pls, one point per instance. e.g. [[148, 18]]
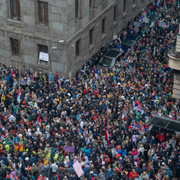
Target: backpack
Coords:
[[151, 173]]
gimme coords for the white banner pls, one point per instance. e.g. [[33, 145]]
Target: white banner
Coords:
[[146, 20], [44, 56], [162, 24], [77, 167], [137, 24]]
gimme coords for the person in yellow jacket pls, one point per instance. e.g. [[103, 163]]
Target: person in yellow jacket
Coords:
[[45, 162], [7, 147], [48, 155], [56, 158], [3, 98]]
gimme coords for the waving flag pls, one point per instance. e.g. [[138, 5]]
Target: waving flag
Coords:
[[9, 142], [17, 145], [86, 86], [39, 120], [57, 176], [137, 106], [18, 96], [131, 29], [125, 112], [3, 137], [120, 50], [12, 73], [149, 7], [106, 134], [158, 3], [57, 78], [87, 138], [145, 14]]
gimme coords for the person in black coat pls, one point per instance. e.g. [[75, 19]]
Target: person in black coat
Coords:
[[156, 164], [178, 170]]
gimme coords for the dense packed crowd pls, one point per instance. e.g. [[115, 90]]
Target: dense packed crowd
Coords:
[[46, 116]]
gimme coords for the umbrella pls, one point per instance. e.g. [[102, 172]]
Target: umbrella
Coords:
[[69, 149]]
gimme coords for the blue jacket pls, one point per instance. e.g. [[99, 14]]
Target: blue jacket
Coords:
[[33, 159], [110, 173], [87, 152], [124, 153], [8, 78], [50, 77]]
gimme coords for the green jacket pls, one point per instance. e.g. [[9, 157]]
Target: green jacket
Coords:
[[138, 116], [57, 158], [15, 109]]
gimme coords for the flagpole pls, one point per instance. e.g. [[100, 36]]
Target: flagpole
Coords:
[[128, 113], [121, 120], [106, 134]]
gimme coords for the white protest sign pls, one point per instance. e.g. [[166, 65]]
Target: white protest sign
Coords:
[[77, 167], [44, 56], [137, 24], [146, 20], [162, 24]]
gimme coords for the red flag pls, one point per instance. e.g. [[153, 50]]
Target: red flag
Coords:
[[39, 120], [12, 73], [57, 78], [57, 176], [106, 134]]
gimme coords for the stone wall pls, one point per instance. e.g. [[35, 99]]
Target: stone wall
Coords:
[[112, 27], [62, 26], [176, 86]]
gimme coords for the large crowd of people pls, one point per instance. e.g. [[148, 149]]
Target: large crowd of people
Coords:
[[94, 114]]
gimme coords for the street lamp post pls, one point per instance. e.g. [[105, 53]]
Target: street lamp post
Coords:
[[20, 39]]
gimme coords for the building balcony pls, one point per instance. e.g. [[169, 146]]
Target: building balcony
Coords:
[[174, 59]]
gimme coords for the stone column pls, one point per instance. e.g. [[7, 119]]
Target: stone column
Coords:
[[174, 63], [176, 86]]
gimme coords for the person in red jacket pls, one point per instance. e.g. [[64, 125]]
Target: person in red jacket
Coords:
[[161, 137], [86, 91], [96, 92], [132, 174], [9, 176], [135, 153], [106, 159], [40, 177]]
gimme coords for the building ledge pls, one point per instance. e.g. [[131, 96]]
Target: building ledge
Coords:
[[174, 59], [41, 36], [42, 25], [14, 21], [15, 58], [40, 64], [174, 55]]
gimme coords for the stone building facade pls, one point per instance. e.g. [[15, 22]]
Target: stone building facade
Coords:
[[69, 31], [174, 63]]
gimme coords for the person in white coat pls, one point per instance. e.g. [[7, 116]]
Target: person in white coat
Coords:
[[141, 150]]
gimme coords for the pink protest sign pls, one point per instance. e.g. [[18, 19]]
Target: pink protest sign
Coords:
[[78, 169]]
